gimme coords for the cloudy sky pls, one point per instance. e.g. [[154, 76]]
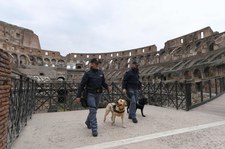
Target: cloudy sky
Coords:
[[96, 26]]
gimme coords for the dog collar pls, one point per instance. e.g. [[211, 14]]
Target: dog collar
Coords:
[[114, 109]]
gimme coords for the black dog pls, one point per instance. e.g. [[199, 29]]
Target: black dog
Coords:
[[139, 105]]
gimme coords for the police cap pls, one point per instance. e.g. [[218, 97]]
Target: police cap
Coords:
[[94, 60]]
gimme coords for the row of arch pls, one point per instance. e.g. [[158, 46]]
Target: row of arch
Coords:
[[34, 60], [195, 74], [164, 55], [113, 63]]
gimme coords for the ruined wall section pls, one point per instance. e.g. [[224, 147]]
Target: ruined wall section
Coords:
[[18, 36], [200, 59], [114, 63], [181, 58], [32, 56], [112, 59], [189, 38], [187, 45], [40, 64]]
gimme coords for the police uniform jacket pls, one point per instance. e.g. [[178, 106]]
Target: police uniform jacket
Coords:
[[93, 81], [131, 79]]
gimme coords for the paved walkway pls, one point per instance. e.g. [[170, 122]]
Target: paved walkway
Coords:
[[162, 128]]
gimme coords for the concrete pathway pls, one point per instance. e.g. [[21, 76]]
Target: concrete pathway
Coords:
[[162, 128]]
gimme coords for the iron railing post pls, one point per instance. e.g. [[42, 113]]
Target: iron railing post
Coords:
[[188, 95], [201, 90], [210, 90], [176, 94]]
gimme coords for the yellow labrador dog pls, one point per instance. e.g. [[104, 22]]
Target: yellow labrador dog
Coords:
[[117, 109]]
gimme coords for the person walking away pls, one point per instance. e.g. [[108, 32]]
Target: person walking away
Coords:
[[93, 81], [131, 86]]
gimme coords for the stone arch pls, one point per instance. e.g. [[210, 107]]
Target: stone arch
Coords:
[[134, 59], [127, 61], [61, 78], [121, 62], [151, 59], [163, 77], [188, 47], [197, 74], [198, 44], [102, 64], [106, 64], [78, 66], [111, 64], [142, 60], [81, 64], [15, 58], [23, 60], [47, 61], [187, 75], [116, 64], [39, 61], [61, 62], [211, 47], [209, 72], [221, 69], [145, 59], [206, 72], [148, 58], [32, 60], [53, 62]]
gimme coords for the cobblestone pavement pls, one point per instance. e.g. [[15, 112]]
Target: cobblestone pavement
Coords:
[[162, 128]]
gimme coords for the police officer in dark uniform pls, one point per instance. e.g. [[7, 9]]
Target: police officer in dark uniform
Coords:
[[131, 86], [93, 81]]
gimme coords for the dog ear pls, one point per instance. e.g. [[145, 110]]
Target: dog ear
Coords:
[[125, 102], [118, 102]]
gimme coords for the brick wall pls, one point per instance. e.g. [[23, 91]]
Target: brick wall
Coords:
[[5, 73]]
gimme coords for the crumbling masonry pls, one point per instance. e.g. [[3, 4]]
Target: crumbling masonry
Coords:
[[194, 56]]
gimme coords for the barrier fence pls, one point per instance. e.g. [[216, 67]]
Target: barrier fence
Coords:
[[28, 97]]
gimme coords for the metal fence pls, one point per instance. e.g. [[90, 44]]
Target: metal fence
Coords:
[[22, 97], [59, 96], [184, 95], [203, 91], [28, 97]]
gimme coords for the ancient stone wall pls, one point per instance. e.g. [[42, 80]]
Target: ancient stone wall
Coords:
[[5, 81], [186, 57], [18, 36]]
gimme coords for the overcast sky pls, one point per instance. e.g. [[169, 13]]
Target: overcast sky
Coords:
[[96, 26]]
